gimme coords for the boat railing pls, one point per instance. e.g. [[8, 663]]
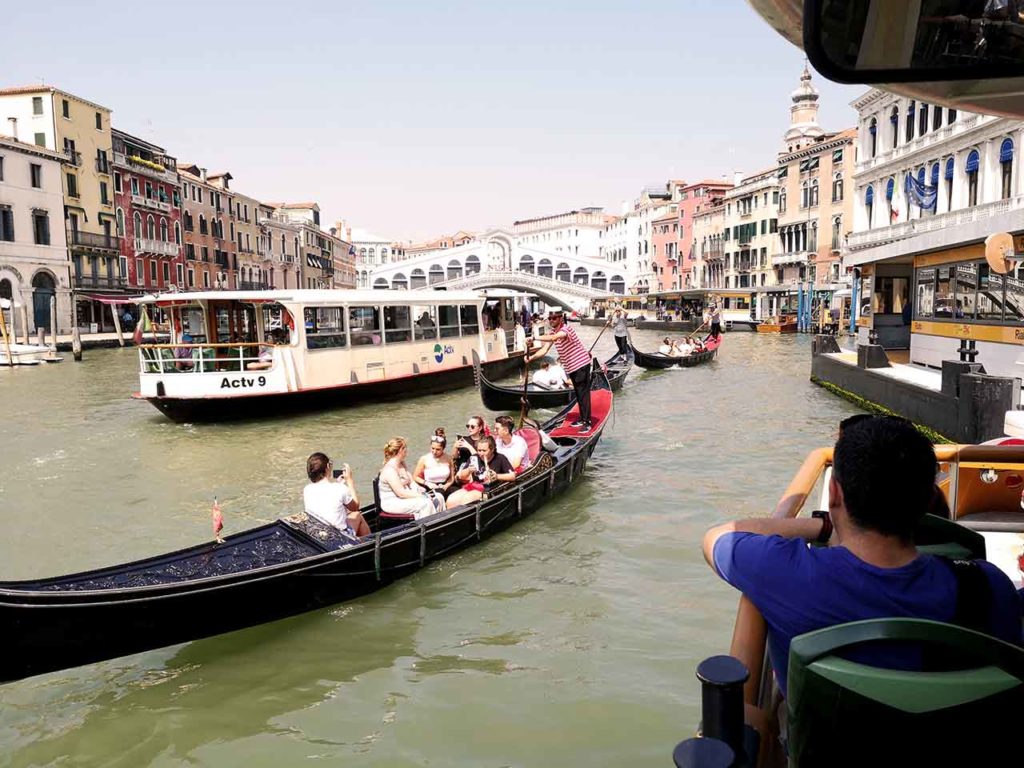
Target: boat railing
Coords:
[[202, 358]]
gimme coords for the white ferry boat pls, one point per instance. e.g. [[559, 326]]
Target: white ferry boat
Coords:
[[238, 354]]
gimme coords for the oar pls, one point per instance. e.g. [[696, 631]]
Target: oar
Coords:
[[690, 336], [7, 339]]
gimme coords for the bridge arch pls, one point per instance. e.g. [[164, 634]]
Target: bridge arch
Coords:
[[617, 284], [563, 273], [436, 274], [544, 268], [399, 283], [526, 263], [472, 264], [454, 269], [599, 280], [417, 279], [580, 276], [380, 284]]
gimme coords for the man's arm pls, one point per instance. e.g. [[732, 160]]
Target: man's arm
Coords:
[[791, 528]]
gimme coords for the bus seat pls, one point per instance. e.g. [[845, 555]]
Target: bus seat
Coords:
[[938, 536], [842, 712]]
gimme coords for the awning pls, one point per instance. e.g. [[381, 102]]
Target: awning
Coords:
[[973, 160], [890, 187], [949, 169], [1006, 151], [109, 299]]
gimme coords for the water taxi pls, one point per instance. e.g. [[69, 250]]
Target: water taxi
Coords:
[[240, 354]]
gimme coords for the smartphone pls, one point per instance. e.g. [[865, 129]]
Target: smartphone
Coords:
[[339, 473]]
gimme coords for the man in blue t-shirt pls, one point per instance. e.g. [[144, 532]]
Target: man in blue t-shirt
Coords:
[[883, 480]]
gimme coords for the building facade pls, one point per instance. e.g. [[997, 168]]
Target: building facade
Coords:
[[575, 233], [694, 199], [749, 231], [280, 243], [665, 251], [33, 246], [707, 269], [931, 184], [80, 129], [147, 214], [627, 239], [210, 263]]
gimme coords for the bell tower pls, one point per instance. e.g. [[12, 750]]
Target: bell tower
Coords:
[[803, 122]]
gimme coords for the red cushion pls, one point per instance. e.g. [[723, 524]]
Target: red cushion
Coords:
[[533, 442]]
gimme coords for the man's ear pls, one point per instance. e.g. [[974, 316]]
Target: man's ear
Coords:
[[835, 492]]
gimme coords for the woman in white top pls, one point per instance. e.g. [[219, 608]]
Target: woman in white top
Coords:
[[398, 493], [333, 502], [512, 447], [434, 470]]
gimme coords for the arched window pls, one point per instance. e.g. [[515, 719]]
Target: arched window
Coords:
[[383, 254], [137, 225], [890, 190], [837, 225], [873, 134], [119, 221], [837, 187], [935, 186], [177, 232], [973, 163], [814, 193], [805, 195], [1006, 166], [936, 118], [894, 124], [150, 228], [163, 230], [869, 202], [782, 201], [948, 175], [6, 291]]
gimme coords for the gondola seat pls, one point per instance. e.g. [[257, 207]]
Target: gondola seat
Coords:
[[388, 519], [964, 710], [534, 445]]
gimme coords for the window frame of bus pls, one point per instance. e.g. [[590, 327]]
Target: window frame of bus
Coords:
[[447, 330], [983, 274], [193, 312], [265, 312], [398, 334], [469, 329], [420, 332], [362, 333], [332, 336]]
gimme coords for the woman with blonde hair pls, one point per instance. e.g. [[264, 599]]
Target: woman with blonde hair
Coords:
[[399, 495]]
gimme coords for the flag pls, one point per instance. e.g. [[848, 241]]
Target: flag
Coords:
[[894, 213], [141, 326]]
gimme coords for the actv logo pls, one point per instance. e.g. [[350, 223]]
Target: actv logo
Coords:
[[438, 353]]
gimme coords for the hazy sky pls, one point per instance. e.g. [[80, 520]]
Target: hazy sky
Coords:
[[412, 118]]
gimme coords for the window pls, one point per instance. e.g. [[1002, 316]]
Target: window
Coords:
[[40, 139], [894, 122], [1006, 167], [325, 328], [6, 224], [135, 186], [117, 183], [41, 227], [873, 132], [922, 121], [950, 116], [890, 295], [37, 105], [425, 323], [99, 121], [119, 222], [936, 118], [837, 224], [1, 168], [397, 324], [163, 230], [869, 203], [149, 191], [814, 193], [206, 279], [180, 275], [469, 320], [72, 185], [364, 323], [965, 281], [837, 188], [973, 162], [782, 201], [944, 292], [104, 194], [190, 251], [990, 299], [949, 184], [152, 271], [65, 108], [191, 278], [448, 321], [177, 234], [909, 123]]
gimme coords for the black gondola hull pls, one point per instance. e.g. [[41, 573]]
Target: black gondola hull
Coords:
[[663, 362], [54, 624]]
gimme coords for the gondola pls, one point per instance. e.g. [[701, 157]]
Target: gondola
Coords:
[[507, 398], [658, 361], [266, 573]]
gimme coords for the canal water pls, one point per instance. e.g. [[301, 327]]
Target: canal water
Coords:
[[570, 639]]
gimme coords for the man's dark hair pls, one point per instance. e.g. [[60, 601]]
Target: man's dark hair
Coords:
[[489, 441], [886, 469]]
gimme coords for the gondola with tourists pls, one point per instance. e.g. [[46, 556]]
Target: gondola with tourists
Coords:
[[960, 707], [281, 569], [497, 397], [658, 361]]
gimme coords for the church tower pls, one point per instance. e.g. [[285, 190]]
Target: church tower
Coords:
[[803, 122]]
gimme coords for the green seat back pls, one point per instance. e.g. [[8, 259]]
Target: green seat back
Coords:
[[842, 712], [939, 536]]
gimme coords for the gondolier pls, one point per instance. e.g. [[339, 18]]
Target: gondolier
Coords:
[[618, 324], [715, 318], [575, 358]]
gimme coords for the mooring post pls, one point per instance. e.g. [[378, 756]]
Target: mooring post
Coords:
[[76, 344]]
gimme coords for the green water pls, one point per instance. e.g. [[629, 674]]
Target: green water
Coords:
[[570, 639]]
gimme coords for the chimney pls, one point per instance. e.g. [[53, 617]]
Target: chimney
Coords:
[[737, 178], [14, 127], [202, 174]]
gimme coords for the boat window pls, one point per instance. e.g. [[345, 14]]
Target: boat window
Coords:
[[397, 324], [325, 327], [192, 324], [448, 321], [990, 294], [425, 327], [965, 284], [1014, 306], [276, 317], [944, 293], [364, 323], [235, 323], [925, 294], [469, 320]]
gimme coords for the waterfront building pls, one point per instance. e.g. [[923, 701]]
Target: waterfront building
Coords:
[[210, 261], [930, 185], [665, 250], [371, 251], [80, 129], [147, 214], [33, 246], [694, 199], [626, 241], [280, 244], [411, 250], [749, 243], [577, 233], [327, 260], [244, 231], [815, 203], [708, 249]]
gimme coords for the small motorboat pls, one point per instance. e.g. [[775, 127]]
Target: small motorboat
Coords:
[[658, 361], [281, 569], [496, 397], [779, 324]]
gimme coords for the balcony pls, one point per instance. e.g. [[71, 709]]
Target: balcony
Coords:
[[141, 201], [793, 257], [94, 282], [927, 142], [712, 254], [244, 285], [74, 158], [883, 235], [93, 241], [147, 167], [156, 247]]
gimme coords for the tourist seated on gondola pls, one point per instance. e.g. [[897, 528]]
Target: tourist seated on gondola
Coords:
[[466, 444], [333, 501], [551, 376], [667, 347], [481, 473], [434, 471], [682, 347], [883, 482], [511, 446], [399, 494]]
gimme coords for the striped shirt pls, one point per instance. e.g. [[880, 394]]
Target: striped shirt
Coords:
[[571, 352]]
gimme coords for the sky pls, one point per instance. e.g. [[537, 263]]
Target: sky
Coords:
[[416, 118]]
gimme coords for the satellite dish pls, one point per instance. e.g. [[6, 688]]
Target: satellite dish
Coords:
[[999, 252]]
